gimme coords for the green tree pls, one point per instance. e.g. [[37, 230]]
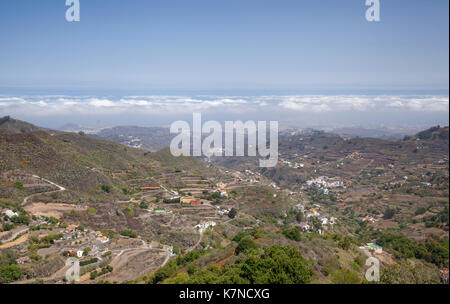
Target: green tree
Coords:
[[143, 205], [106, 188], [244, 245], [232, 214], [86, 251]]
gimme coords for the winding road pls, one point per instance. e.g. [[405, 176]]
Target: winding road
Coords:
[[19, 231], [60, 188]]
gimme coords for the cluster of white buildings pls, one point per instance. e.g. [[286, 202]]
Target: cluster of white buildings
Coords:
[[325, 221], [222, 212], [203, 226], [324, 182], [131, 141], [354, 155], [95, 251], [253, 177], [293, 165]]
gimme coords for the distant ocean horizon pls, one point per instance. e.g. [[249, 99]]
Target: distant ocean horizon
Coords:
[[115, 92]]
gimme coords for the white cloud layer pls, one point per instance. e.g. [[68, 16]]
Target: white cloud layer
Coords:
[[166, 105]]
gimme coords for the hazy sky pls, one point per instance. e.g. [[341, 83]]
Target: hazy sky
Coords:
[[310, 63]]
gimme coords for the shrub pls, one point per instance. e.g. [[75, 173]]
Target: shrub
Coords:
[[91, 211], [420, 211], [388, 213], [344, 276], [9, 273], [107, 254], [87, 262], [292, 234], [129, 233], [244, 245], [345, 243], [106, 188], [129, 211]]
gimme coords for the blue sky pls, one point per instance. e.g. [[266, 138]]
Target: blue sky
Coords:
[[305, 63], [224, 45]]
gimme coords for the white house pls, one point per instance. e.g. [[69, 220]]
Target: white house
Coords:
[[10, 213], [170, 251], [103, 239], [305, 226], [80, 253]]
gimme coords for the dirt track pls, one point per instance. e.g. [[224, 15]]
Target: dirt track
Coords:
[[60, 188], [20, 240]]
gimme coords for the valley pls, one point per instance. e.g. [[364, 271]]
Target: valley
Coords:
[[140, 215]]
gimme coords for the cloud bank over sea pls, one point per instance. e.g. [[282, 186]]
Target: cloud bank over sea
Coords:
[[162, 109]]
